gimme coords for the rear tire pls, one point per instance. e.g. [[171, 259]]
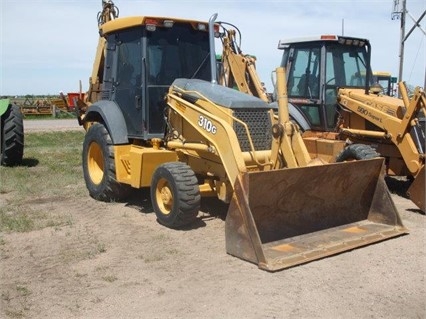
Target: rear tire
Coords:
[[12, 130], [175, 194], [356, 152], [99, 166]]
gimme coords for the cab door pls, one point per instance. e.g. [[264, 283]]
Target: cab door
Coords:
[[127, 83], [303, 83]]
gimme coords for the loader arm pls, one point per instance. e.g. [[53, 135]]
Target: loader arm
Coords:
[[214, 124], [287, 137], [221, 138], [395, 129]]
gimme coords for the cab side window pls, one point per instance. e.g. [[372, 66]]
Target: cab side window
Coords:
[[128, 77], [304, 73]]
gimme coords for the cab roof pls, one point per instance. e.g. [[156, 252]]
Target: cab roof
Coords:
[[321, 38], [129, 22]]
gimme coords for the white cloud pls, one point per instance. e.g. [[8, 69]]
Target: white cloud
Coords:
[[48, 46]]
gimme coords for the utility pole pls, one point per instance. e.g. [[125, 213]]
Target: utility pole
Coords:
[[402, 44], [400, 13]]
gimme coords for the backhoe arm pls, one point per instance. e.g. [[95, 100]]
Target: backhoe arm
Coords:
[[239, 69], [393, 128], [109, 12]]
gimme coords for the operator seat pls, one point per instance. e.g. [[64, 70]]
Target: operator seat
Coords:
[[308, 85]]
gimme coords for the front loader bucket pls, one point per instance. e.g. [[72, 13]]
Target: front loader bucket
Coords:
[[282, 218]]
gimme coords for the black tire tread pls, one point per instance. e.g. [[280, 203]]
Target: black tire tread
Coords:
[[357, 152], [110, 189], [187, 197], [12, 126]]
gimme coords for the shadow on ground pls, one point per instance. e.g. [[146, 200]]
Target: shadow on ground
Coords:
[[211, 207], [399, 186]]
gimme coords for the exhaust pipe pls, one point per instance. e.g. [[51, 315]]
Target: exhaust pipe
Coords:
[[212, 48]]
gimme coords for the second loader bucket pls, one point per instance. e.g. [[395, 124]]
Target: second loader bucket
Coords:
[[282, 218]]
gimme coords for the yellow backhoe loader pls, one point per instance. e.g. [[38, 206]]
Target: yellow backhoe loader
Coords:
[[318, 68], [386, 81], [158, 118], [392, 125], [344, 117]]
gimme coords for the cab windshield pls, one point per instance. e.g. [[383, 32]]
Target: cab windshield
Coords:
[[346, 66]]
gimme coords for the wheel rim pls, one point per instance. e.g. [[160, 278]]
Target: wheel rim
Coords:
[[95, 163], [164, 196]]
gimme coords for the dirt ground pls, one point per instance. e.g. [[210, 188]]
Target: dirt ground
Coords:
[[113, 260], [45, 125]]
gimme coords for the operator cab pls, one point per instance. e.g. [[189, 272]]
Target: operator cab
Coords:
[[316, 68], [386, 82], [144, 55]]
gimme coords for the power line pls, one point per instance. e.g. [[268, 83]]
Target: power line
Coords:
[[400, 12]]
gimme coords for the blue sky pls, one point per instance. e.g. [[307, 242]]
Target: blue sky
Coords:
[[48, 46]]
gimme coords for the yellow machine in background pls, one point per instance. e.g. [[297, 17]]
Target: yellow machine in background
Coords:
[[392, 125], [386, 81], [344, 117], [156, 117]]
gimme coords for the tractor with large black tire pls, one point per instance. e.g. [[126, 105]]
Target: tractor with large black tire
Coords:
[[11, 134]]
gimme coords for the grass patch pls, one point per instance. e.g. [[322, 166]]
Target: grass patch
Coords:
[[71, 253], [16, 302], [51, 172], [59, 115], [23, 291], [21, 221], [109, 278], [51, 167], [15, 313], [16, 222]]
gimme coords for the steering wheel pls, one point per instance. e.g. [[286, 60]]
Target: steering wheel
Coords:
[[328, 82]]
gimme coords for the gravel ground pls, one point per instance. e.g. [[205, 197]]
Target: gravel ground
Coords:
[[114, 260], [51, 125]]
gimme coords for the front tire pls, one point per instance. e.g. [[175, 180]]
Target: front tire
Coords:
[[99, 166], [175, 194], [357, 152], [12, 130]]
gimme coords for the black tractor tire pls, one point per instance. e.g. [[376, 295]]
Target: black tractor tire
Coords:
[[175, 194], [99, 166], [357, 152], [12, 136]]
